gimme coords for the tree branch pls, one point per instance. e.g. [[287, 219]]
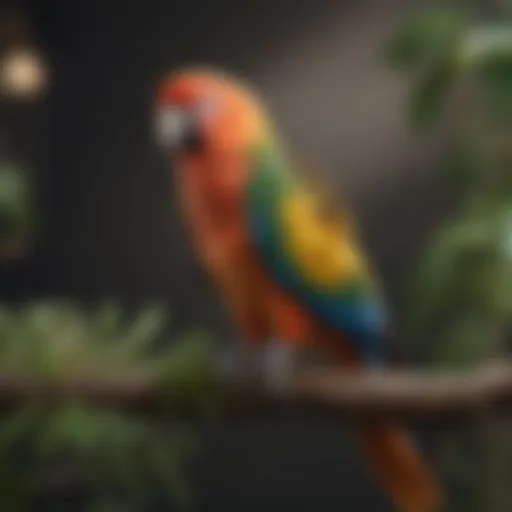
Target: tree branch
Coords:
[[401, 395]]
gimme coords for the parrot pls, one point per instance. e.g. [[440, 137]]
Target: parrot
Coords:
[[289, 269]]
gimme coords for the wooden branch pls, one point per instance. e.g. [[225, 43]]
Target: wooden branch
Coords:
[[401, 395], [426, 397]]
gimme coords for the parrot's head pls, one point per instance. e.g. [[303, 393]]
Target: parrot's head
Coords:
[[210, 123], [202, 112]]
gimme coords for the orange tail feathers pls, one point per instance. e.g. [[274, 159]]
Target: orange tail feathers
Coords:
[[391, 453], [399, 468]]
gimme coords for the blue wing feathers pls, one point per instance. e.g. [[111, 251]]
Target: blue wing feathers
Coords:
[[352, 309]]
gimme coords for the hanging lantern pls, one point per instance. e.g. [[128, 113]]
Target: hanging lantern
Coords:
[[23, 74]]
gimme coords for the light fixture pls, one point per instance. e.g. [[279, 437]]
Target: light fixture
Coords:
[[23, 74]]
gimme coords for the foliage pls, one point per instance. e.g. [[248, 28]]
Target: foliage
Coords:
[[126, 460], [461, 294], [444, 46], [17, 220], [465, 278], [466, 268], [427, 44]]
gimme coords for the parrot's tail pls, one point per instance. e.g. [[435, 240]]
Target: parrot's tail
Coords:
[[399, 468], [391, 453]]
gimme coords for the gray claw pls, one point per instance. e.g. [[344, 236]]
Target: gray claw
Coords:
[[273, 364], [277, 365]]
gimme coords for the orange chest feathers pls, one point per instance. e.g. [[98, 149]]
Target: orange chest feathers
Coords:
[[211, 204], [258, 306]]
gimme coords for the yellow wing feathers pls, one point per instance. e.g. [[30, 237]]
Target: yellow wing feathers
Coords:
[[319, 241]]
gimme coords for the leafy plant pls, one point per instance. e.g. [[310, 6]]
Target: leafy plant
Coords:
[[461, 295], [124, 459], [17, 216]]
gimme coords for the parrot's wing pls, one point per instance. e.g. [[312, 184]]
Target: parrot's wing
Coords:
[[312, 253], [328, 202]]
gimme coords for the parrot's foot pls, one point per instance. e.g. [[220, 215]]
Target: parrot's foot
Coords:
[[272, 365], [278, 364]]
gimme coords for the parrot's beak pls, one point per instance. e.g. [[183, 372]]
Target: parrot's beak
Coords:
[[176, 129]]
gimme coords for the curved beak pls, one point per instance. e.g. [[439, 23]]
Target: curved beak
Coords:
[[176, 129]]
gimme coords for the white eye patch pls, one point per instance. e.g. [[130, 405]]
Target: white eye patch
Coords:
[[171, 124], [178, 127]]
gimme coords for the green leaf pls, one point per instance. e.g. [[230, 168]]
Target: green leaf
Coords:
[[17, 425], [66, 326], [8, 330], [450, 274], [116, 457], [149, 323], [429, 95], [485, 43], [486, 52], [496, 79], [70, 428], [426, 37], [167, 469], [466, 343], [468, 163], [106, 320], [143, 332], [16, 201]]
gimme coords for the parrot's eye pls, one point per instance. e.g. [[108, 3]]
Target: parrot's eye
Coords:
[[177, 129]]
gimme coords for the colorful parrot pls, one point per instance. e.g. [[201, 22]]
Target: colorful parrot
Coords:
[[289, 270]]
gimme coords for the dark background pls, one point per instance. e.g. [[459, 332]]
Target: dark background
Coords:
[[110, 226]]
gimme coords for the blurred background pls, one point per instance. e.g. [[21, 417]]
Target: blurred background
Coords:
[[77, 82]]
